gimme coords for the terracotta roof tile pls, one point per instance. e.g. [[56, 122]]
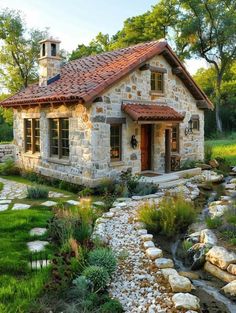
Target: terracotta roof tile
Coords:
[[87, 78], [151, 112]]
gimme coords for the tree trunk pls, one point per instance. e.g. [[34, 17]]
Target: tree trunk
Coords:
[[218, 103]]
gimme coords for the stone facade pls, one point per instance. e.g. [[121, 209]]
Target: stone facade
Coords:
[[89, 138], [6, 152]]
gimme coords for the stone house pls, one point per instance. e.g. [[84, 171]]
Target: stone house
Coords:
[[94, 117]]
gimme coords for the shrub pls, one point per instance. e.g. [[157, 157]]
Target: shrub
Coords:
[[106, 185], [103, 257], [224, 166], [143, 189], [37, 192], [86, 192], [8, 168], [98, 276], [208, 151], [129, 181], [174, 215], [1, 186], [113, 306], [187, 244], [188, 164], [150, 216], [214, 222]]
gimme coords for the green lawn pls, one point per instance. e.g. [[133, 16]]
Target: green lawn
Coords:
[[19, 286], [224, 148]]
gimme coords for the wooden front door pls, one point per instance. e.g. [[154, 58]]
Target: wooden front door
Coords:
[[146, 140]]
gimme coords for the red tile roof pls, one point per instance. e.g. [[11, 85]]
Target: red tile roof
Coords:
[[85, 79], [151, 112]]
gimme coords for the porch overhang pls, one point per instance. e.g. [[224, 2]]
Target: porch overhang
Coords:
[[151, 113]]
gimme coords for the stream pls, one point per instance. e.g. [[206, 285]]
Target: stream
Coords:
[[207, 286]]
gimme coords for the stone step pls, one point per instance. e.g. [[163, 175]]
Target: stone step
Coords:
[[173, 183], [159, 179]]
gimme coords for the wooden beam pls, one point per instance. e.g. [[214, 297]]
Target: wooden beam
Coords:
[[153, 68], [177, 70], [202, 104], [116, 120]]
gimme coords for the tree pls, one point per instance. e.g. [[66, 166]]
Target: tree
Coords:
[[98, 45], [19, 51], [207, 29]]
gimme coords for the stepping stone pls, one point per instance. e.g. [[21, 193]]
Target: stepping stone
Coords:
[[73, 202], [98, 204], [147, 237], [180, 284], [38, 231], [186, 301], [39, 264], [154, 253], [37, 245], [108, 215], [5, 201], [49, 203], [3, 207], [21, 206], [164, 263], [166, 272], [142, 232]]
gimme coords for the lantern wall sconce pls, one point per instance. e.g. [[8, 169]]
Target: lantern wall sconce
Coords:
[[133, 142], [189, 129]]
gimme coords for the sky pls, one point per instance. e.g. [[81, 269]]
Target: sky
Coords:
[[79, 21]]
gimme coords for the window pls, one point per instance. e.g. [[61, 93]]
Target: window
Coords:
[[32, 135], [53, 50], [175, 139], [59, 131], [43, 50], [195, 122], [115, 142], [157, 82]]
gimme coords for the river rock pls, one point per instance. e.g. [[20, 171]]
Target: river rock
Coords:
[[179, 283], [219, 273], [217, 208], [204, 166], [147, 237], [154, 253], [214, 163], [234, 169], [148, 244], [190, 275], [186, 301], [220, 257], [195, 237], [164, 263], [230, 288], [232, 269], [166, 272], [230, 186], [208, 237], [233, 181]]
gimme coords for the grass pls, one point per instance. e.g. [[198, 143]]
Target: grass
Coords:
[[18, 285], [224, 148]]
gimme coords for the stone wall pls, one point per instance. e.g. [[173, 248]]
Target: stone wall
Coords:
[[6, 152], [89, 159]]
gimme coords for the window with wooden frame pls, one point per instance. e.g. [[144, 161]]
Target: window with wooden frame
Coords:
[[32, 135], [175, 139], [195, 122], [115, 142], [157, 82], [59, 138]]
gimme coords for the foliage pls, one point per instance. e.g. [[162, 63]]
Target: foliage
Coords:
[[187, 244], [37, 192], [173, 215], [8, 168], [213, 223], [188, 164], [224, 165], [150, 216], [208, 152], [103, 257], [19, 51], [224, 148], [98, 276], [113, 306], [86, 192], [1, 186]]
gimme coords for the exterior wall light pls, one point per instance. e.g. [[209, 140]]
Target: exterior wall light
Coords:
[[133, 142], [189, 129]]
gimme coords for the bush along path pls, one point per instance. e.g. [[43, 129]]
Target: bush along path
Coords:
[[144, 281]]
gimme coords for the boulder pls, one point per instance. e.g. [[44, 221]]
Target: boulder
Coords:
[[166, 272], [219, 273], [204, 166], [142, 232], [220, 257], [217, 208], [232, 269], [164, 263], [154, 253], [234, 169], [180, 283], [213, 163], [190, 275], [208, 237], [186, 301], [230, 288], [230, 186], [195, 237], [233, 181]]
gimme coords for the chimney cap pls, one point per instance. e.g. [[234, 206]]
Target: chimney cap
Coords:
[[50, 40]]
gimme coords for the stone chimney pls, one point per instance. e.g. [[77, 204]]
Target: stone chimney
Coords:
[[49, 61]]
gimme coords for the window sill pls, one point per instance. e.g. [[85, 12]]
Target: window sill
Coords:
[[156, 93], [116, 163], [59, 161], [32, 155]]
